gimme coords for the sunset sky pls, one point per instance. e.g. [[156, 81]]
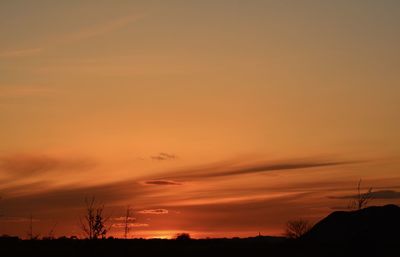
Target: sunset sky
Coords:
[[216, 118]]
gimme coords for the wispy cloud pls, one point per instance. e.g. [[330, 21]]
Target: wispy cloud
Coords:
[[381, 194], [131, 225], [226, 169], [99, 29], [220, 199], [235, 214], [21, 52], [18, 219], [72, 196], [122, 218], [23, 165], [73, 37], [154, 211], [162, 182], [163, 157]]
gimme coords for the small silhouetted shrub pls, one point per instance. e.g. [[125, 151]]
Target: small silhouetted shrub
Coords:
[[183, 236], [94, 222], [297, 228]]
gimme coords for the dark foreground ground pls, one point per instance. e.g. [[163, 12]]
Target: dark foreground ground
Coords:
[[260, 246]]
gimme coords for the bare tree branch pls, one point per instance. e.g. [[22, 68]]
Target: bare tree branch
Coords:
[[362, 199], [94, 222], [297, 228]]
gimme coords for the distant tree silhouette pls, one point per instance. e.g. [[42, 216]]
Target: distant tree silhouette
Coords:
[[183, 236], [94, 222], [50, 235], [30, 234], [362, 199], [297, 228], [127, 222]]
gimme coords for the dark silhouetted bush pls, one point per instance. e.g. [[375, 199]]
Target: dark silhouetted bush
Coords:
[[297, 228], [94, 222], [183, 236]]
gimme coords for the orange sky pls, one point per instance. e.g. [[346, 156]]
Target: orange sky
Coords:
[[217, 118]]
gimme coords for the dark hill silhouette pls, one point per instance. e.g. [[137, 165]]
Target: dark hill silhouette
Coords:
[[377, 224]]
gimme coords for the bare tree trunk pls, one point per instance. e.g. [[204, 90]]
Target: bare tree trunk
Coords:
[[30, 234], [127, 222]]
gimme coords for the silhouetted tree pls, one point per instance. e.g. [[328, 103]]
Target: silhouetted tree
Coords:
[[94, 222], [361, 199], [50, 236], [183, 236], [297, 228], [30, 234], [127, 222]]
